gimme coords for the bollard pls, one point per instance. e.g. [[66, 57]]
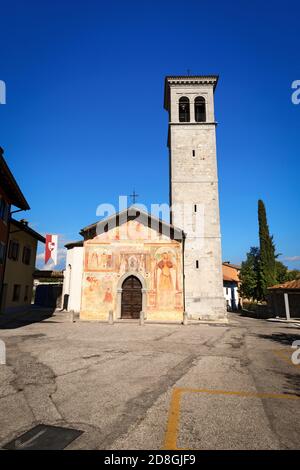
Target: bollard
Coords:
[[110, 317], [185, 319], [2, 352], [72, 316], [142, 318]]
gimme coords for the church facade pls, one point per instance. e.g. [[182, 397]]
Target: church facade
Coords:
[[132, 261]]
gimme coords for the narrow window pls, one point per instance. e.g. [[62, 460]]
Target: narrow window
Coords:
[[194, 153], [4, 210], [195, 208], [13, 251], [200, 109], [184, 109], [197, 264], [26, 255], [16, 292]]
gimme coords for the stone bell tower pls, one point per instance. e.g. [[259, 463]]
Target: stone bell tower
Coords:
[[194, 202]]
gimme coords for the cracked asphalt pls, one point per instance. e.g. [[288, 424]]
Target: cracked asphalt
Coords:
[[116, 383]]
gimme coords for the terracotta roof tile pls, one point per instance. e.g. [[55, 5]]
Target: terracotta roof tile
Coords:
[[287, 285]]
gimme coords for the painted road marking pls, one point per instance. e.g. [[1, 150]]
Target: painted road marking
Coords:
[[174, 412]]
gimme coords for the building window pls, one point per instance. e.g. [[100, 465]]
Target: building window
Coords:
[[195, 207], [2, 252], [197, 264], [4, 209], [26, 293], [200, 109], [16, 293], [184, 109], [26, 255], [13, 251]]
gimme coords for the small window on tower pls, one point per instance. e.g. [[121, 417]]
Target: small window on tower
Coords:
[[184, 109], [195, 208], [194, 153], [200, 109], [197, 264]]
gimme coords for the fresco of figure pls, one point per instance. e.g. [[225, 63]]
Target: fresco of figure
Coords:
[[108, 298], [99, 260], [91, 291], [165, 282], [93, 260]]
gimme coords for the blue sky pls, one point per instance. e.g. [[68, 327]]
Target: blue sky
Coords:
[[84, 119]]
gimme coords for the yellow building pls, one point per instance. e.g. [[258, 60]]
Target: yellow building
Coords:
[[20, 266]]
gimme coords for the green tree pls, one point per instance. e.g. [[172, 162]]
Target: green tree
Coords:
[[293, 275], [281, 272], [249, 275], [267, 265]]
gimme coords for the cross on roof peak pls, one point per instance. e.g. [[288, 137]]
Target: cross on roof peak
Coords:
[[134, 196]]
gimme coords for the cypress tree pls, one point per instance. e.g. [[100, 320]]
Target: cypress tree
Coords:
[[267, 264]]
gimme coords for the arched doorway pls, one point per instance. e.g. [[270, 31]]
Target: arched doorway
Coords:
[[131, 303]]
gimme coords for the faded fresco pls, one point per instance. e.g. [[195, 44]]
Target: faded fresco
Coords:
[[133, 249]]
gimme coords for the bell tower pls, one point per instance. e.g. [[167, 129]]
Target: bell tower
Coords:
[[194, 197]]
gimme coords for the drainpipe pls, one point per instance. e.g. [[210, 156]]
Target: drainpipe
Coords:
[[183, 273]]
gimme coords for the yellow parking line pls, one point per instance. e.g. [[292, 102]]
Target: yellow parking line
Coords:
[[173, 421], [170, 442]]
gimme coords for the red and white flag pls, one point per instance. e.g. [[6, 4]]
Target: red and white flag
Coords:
[[51, 248]]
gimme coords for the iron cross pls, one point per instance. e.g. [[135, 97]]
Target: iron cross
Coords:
[[134, 197]]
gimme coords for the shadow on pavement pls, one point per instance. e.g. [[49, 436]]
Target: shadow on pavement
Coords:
[[17, 320], [293, 384], [285, 339]]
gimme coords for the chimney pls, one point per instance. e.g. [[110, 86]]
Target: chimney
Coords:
[[24, 222]]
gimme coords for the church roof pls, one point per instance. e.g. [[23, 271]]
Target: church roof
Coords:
[[132, 213]]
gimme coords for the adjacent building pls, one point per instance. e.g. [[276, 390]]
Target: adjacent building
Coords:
[[47, 288], [20, 266], [10, 195], [231, 285], [284, 299]]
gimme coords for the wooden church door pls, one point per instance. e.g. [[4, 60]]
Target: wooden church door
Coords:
[[131, 298]]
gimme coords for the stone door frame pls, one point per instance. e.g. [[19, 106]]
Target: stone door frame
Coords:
[[119, 292]]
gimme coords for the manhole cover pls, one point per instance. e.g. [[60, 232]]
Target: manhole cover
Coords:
[[43, 437]]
